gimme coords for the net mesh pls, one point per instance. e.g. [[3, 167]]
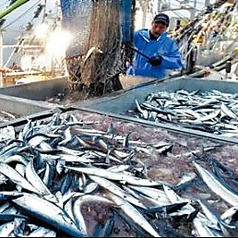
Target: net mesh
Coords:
[[94, 59]]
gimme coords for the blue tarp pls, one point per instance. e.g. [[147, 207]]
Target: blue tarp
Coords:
[[126, 6]]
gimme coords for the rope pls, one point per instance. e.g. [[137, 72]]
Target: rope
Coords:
[[94, 76]]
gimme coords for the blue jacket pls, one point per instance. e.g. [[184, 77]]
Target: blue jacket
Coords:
[[164, 46]]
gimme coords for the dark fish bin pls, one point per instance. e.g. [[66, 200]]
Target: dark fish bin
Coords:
[[118, 104], [40, 90]]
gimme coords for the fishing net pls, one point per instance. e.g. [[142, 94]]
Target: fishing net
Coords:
[[94, 58]]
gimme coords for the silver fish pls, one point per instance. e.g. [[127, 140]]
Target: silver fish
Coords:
[[77, 209], [214, 216], [37, 182], [216, 186], [202, 229], [14, 176], [47, 212], [132, 212], [115, 176], [116, 190], [6, 229]]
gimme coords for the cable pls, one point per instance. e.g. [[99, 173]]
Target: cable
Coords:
[[179, 15], [20, 16]]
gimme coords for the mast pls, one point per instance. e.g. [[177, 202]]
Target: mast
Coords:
[[3, 13]]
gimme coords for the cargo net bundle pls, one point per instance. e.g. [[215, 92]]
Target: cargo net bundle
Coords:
[[94, 59]]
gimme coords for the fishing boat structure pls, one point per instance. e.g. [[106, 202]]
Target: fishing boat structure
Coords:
[[209, 43], [39, 49]]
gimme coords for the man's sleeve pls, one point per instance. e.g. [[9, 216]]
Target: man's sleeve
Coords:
[[173, 59]]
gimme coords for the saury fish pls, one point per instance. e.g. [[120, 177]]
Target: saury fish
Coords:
[[47, 212]]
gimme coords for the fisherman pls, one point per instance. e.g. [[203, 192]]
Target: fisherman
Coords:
[[159, 51]]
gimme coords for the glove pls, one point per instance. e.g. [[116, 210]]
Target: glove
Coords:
[[155, 61]]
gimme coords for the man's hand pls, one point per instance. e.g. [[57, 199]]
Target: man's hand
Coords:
[[155, 61]]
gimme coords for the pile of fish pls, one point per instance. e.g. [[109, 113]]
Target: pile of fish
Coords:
[[60, 177], [7, 116], [210, 111]]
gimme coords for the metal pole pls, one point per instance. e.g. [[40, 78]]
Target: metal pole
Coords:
[[207, 3], [158, 5]]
